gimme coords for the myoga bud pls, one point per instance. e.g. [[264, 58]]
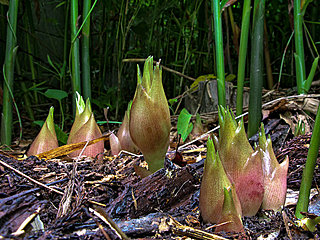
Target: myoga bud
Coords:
[[115, 145], [242, 164], [275, 174], [149, 121], [46, 139], [197, 127], [124, 134], [214, 181], [230, 219], [85, 128]]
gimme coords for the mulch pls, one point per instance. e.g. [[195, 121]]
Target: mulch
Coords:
[[105, 199]]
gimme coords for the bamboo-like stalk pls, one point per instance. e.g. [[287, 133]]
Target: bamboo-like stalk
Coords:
[[267, 57], [219, 52], [256, 69], [85, 47], [307, 176], [298, 40], [6, 118], [75, 58], [243, 54]]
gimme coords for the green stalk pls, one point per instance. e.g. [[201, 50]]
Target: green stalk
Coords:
[[6, 118], [307, 176], [256, 68], [219, 52], [2, 31], [267, 57], [75, 58], [86, 81], [298, 40], [243, 54]]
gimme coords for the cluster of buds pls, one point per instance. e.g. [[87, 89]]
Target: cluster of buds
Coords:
[[149, 121], [258, 179], [146, 124], [83, 129]]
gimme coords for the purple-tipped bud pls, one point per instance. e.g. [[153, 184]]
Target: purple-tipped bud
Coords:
[[85, 128], [46, 139], [230, 214], [275, 174], [149, 121], [242, 164], [214, 181]]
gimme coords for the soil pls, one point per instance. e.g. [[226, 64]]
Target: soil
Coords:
[[105, 199]]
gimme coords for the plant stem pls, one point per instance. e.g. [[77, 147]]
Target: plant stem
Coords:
[[219, 52], [6, 118], [307, 176], [298, 40], [267, 57], [256, 69], [243, 54], [86, 82], [75, 59]]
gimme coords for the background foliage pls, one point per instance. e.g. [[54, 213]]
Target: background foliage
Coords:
[[177, 32]]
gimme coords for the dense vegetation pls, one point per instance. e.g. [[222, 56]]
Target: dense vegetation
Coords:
[[180, 33]]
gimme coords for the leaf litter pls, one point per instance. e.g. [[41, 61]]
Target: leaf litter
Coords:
[[86, 198]]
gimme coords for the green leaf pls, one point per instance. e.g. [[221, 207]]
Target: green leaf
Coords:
[[39, 123], [308, 81], [4, 2], [52, 65], [61, 135], [184, 127], [56, 94], [230, 77], [304, 6], [195, 84], [223, 3], [172, 101]]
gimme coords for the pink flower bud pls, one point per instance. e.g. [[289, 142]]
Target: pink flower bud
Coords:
[[275, 174], [241, 162], [85, 128]]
